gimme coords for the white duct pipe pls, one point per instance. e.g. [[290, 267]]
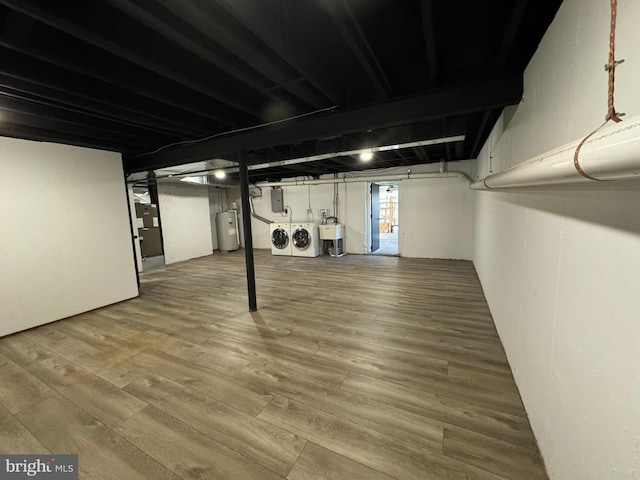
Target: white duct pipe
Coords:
[[368, 178], [612, 153]]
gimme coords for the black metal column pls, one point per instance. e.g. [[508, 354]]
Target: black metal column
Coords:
[[248, 239], [134, 235]]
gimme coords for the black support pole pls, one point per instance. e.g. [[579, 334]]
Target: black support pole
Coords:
[[134, 237], [248, 239]]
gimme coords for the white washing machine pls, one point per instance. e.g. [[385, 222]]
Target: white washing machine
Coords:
[[305, 240], [281, 238]]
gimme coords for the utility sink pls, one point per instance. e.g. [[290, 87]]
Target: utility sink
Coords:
[[331, 231]]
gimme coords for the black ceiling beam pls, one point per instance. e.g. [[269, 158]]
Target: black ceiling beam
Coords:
[[421, 154], [428, 27], [26, 89], [158, 18], [58, 48], [55, 83], [109, 69], [447, 146], [389, 136], [93, 22], [58, 113], [517, 16], [420, 151], [37, 134], [309, 37], [493, 93], [307, 168], [344, 19], [223, 29], [66, 132], [480, 132]]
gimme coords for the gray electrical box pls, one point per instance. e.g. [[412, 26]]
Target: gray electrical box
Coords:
[[276, 200]]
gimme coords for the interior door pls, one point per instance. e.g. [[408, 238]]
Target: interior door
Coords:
[[375, 217]]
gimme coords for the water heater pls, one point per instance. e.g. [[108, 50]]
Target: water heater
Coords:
[[227, 229]]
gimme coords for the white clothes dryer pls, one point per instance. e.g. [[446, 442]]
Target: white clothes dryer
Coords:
[[305, 240], [280, 239]]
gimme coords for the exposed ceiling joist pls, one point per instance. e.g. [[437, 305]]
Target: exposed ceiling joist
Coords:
[[494, 93], [26, 130], [67, 130], [59, 48], [156, 17], [228, 32], [53, 82], [56, 113], [517, 16], [294, 30], [93, 107], [136, 75], [357, 41], [428, 28], [93, 22]]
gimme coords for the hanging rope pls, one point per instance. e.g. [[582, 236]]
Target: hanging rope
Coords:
[[576, 162], [610, 67]]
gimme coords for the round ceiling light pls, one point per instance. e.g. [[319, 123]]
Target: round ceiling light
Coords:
[[366, 156], [219, 174]]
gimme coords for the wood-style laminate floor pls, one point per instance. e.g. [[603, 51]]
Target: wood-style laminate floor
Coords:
[[361, 367]]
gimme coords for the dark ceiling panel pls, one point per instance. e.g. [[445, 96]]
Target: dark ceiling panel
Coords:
[[136, 76]]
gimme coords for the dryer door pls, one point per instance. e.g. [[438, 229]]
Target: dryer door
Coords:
[[301, 239], [280, 238]]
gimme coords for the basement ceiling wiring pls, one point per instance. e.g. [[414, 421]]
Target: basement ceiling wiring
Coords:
[[238, 130]]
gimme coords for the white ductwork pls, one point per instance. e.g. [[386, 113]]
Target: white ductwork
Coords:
[[612, 153], [368, 178]]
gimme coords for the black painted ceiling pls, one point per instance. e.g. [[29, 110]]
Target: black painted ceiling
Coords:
[[134, 76]]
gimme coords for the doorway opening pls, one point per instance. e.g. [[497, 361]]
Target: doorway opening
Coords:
[[149, 226], [384, 218]]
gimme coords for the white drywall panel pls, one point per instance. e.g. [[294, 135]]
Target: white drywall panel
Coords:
[[436, 218], [186, 221], [560, 268], [355, 205], [65, 246]]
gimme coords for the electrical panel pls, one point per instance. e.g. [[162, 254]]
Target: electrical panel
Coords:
[[277, 204]]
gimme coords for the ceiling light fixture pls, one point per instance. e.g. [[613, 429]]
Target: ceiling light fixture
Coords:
[[219, 174], [366, 156]]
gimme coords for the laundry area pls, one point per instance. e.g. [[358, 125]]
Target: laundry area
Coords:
[[303, 239]]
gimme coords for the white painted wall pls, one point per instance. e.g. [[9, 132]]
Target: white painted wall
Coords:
[[444, 232], [186, 221], [560, 268], [65, 241], [436, 218]]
